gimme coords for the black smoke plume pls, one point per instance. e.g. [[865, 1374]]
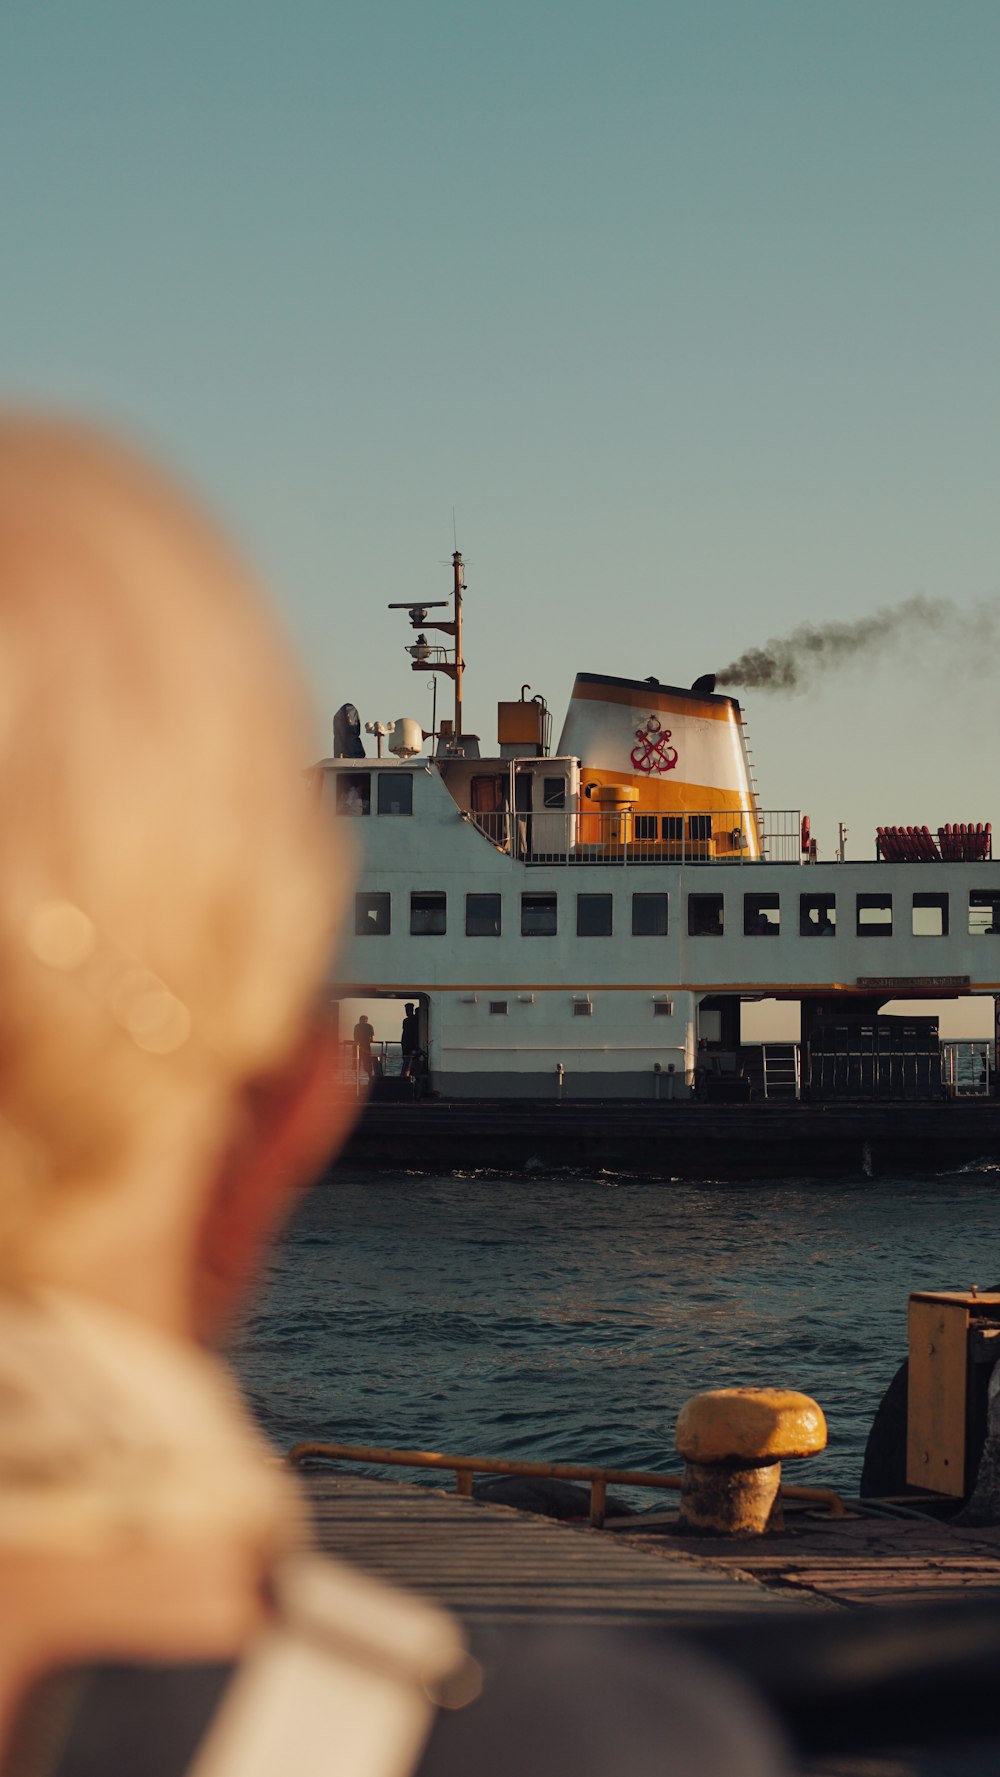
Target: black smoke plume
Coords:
[[795, 661]]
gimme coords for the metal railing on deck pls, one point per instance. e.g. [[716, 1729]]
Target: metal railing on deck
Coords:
[[386, 1063], [596, 836], [464, 1467], [968, 1069]]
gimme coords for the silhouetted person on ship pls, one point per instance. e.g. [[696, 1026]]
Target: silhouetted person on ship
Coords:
[[409, 1040], [363, 1034], [167, 909]]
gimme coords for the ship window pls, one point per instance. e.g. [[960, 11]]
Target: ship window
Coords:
[[817, 916], [649, 916], [582, 1009], [354, 792], [874, 916], [699, 826], [428, 915], [647, 826], [482, 916], [663, 1008], [538, 916], [593, 916], [705, 916], [498, 1007], [984, 913], [930, 916], [761, 916], [371, 915], [554, 792], [395, 792], [673, 828]]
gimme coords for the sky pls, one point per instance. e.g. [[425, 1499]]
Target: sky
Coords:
[[680, 314]]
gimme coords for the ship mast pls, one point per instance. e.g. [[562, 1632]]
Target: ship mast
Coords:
[[421, 651]]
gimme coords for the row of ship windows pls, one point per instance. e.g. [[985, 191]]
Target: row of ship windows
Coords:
[[706, 914], [394, 795]]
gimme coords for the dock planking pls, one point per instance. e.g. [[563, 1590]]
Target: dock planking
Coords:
[[858, 1560], [492, 1565]]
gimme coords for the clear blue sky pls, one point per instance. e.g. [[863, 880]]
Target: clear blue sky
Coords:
[[689, 310]]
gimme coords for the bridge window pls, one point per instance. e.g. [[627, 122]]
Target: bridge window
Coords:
[[817, 916], [593, 916], [761, 916], [395, 792], [354, 792], [673, 828], [372, 916], [649, 916], [647, 826], [482, 916], [699, 836], [705, 916], [930, 916], [874, 916], [984, 913], [538, 916], [428, 915]]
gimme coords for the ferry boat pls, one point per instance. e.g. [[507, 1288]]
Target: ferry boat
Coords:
[[585, 921]]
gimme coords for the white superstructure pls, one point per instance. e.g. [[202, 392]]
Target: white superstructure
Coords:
[[569, 928]]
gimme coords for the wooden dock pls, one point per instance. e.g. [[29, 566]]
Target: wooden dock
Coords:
[[498, 1568], [491, 1565], [853, 1561]]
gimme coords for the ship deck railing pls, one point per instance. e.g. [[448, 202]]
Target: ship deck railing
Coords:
[[953, 1068], [598, 836]]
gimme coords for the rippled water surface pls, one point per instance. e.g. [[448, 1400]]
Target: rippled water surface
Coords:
[[570, 1318]]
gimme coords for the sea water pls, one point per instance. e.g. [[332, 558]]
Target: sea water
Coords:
[[568, 1318]]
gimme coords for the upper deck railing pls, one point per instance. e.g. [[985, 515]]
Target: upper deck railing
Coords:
[[586, 836]]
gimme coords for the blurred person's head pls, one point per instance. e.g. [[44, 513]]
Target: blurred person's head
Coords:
[[168, 892]]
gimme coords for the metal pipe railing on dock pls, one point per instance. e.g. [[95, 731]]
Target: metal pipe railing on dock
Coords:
[[598, 1478]]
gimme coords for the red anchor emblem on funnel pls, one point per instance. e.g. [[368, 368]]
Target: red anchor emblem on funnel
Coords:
[[653, 754]]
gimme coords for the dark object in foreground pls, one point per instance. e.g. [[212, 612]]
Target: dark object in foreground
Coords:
[[874, 1678]]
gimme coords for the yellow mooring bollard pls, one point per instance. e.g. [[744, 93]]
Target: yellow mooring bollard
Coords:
[[733, 1441]]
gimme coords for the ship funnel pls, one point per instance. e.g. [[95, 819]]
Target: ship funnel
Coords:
[[683, 750]]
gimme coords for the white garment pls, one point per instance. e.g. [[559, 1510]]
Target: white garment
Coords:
[[343, 1685], [111, 1433]]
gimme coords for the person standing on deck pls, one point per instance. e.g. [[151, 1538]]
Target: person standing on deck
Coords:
[[409, 1040], [363, 1034]]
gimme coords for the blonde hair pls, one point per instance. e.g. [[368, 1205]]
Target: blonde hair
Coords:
[[168, 890]]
